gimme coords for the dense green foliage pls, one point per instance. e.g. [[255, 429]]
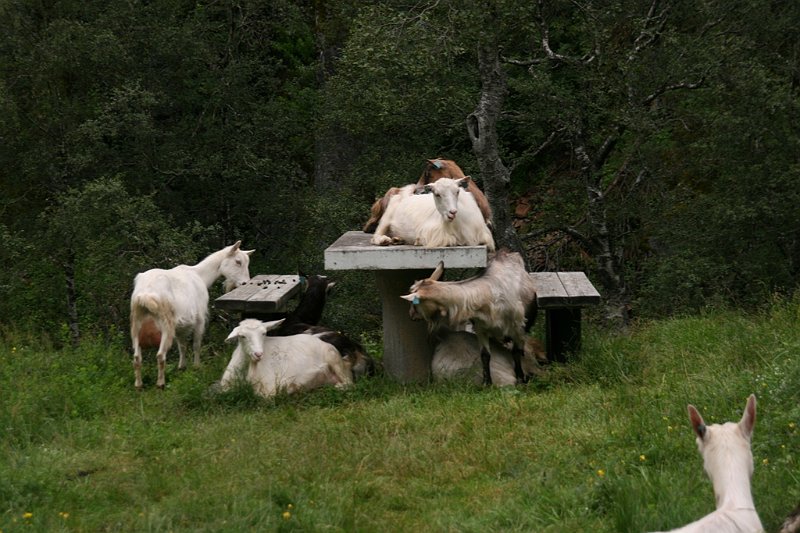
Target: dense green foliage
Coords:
[[652, 144], [602, 444]]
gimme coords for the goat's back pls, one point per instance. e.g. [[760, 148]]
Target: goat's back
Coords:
[[178, 290], [414, 218], [296, 362]]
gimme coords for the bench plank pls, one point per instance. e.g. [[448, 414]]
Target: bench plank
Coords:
[[564, 289], [549, 289], [580, 290], [265, 293]]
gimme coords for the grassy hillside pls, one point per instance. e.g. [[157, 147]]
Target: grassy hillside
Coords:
[[601, 444]]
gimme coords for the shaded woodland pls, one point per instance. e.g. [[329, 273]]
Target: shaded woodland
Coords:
[[652, 144]]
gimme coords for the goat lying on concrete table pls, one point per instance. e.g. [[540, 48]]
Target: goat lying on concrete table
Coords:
[[171, 304], [434, 170], [728, 461], [305, 319], [443, 214], [283, 364], [500, 303]]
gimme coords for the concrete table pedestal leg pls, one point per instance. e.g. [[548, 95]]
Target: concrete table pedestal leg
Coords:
[[407, 350]]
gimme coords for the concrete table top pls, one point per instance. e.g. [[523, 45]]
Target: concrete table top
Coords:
[[354, 251]]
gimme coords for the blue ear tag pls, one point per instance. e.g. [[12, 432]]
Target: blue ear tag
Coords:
[[415, 301], [437, 164]]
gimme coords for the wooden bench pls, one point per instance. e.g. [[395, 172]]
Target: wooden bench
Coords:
[[263, 296], [562, 295]]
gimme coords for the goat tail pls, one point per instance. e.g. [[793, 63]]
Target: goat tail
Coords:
[[146, 303]]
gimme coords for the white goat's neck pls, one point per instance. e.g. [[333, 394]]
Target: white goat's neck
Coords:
[[729, 464], [209, 268]]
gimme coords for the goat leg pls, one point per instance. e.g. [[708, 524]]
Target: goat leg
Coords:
[[487, 373], [517, 353]]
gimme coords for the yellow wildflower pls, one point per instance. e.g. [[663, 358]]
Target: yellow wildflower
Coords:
[[287, 515], [642, 458], [601, 473], [27, 516], [765, 461]]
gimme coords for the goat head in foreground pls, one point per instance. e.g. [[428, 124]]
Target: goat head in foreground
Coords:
[[728, 462]]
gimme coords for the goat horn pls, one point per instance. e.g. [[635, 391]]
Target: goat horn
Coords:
[[438, 272]]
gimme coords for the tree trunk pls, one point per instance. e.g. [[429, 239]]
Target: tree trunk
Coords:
[[608, 266], [482, 129], [72, 298]]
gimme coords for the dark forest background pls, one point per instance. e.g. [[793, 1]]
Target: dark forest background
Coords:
[[652, 144]]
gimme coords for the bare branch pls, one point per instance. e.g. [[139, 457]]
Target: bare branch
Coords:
[[523, 62], [649, 35], [674, 87], [584, 240]]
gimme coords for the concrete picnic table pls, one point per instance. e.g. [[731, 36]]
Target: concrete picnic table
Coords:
[[407, 349]]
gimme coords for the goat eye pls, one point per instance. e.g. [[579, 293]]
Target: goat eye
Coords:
[[238, 262]]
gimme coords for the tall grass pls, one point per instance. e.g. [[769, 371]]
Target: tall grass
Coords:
[[600, 444]]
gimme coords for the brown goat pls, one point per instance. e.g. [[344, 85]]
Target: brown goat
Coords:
[[500, 303], [434, 169]]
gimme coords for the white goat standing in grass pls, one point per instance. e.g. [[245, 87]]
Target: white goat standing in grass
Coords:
[[444, 214], [174, 304], [728, 461], [290, 364]]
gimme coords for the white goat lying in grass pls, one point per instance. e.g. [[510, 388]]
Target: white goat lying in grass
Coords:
[[172, 304], [458, 356], [283, 364], [728, 461], [445, 214]]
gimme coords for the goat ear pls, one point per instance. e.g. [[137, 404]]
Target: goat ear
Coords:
[[464, 182], [427, 189], [331, 285], [272, 325], [438, 272], [410, 297], [248, 252], [748, 421], [698, 424], [234, 336], [234, 247]]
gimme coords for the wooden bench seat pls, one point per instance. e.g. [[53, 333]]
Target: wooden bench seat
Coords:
[[562, 295], [263, 295]]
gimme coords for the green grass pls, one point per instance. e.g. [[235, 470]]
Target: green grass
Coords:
[[600, 444]]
